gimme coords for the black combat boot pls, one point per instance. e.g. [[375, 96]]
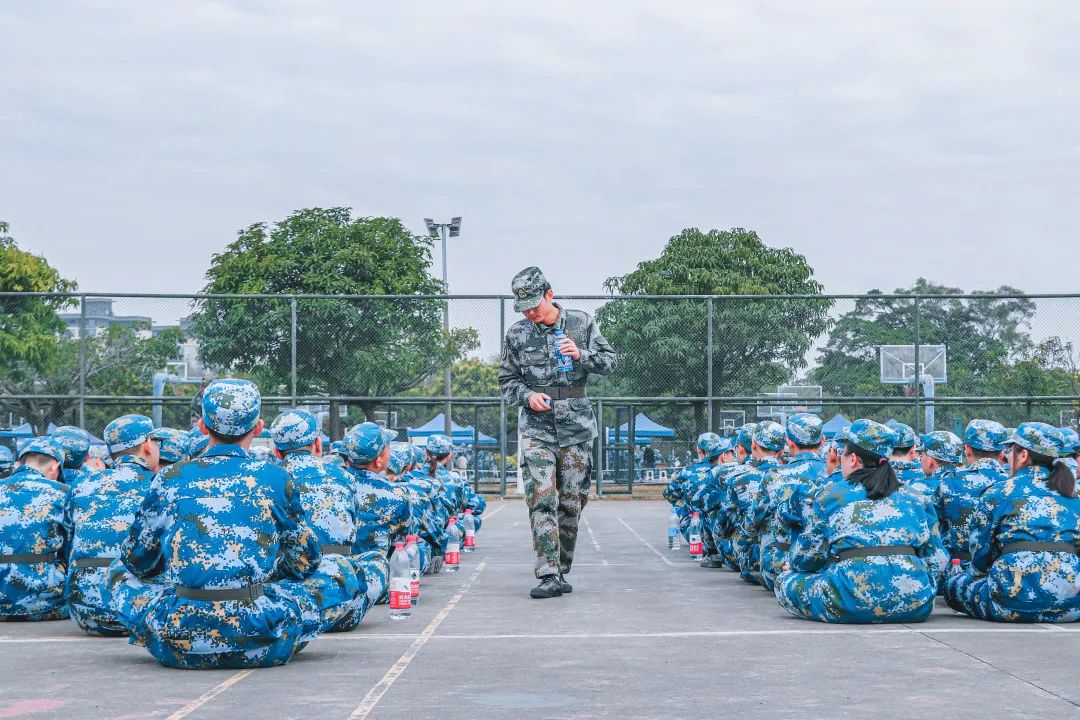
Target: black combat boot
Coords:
[[567, 588], [712, 561], [549, 587]]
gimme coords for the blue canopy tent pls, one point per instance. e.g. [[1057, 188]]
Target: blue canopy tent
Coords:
[[94, 440], [835, 425], [460, 434], [19, 431], [645, 431]]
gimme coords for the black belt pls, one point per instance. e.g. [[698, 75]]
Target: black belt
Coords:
[[336, 549], [873, 552], [560, 392], [248, 592], [961, 556], [28, 558], [1029, 546], [93, 562]]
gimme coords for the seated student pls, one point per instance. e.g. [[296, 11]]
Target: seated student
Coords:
[[1025, 538], [942, 454], [7, 461], [75, 442], [905, 460], [726, 522], [397, 471], [1072, 448], [457, 494], [433, 528], [868, 555], [35, 534], [384, 512], [215, 535], [103, 508], [769, 442], [959, 492], [695, 480], [339, 585]]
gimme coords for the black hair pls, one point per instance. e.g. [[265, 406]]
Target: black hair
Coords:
[[223, 439], [1061, 480], [808, 447], [876, 475], [902, 449], [984, 454]]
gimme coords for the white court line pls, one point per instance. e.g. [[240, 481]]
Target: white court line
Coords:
[[209, 695], [376, 693], [646, 543], [592, 536], [1053, 626]]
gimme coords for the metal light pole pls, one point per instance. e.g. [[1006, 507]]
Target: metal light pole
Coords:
[[437, 231]]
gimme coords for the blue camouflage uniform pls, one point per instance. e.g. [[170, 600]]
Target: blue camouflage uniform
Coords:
[[197, 443], [419, 498], [797, 479], [907, 471], [959, 492], [215, 536], [339, 585], [702, 484], [731, 485], [772, 437], [7, 461], [433, 524], [1025, 538], [174, 445], [384, 512], [35, 538], [103, 508], [1072, 445], [863, 560], [75, 442], [948, 450]]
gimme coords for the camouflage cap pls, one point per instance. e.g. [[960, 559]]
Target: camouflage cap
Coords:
[[400, 457], [100, 452], [944, 446], [805, 429], [365, 442], [197, 442], [905, 435], [873, 437], [439, 445], [418, 454], [338, 448], [841, 438], [231, 407], [710, 444], [770, 436], [1072, 439], [294, 429], [746, 436], [75, 443], [126, 432], [43, 445], [528, 287], [7, 458], [1039, 438], [174, 444], [985, 435]]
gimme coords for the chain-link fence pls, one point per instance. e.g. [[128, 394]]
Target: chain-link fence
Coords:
[[686, 364]]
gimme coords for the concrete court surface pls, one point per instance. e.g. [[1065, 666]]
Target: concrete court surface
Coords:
[[645, 634]]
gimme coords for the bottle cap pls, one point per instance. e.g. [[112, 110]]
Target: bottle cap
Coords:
[[956, 561], [398, 545]]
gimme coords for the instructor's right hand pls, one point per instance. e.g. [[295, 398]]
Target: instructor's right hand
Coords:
[[539, 402]]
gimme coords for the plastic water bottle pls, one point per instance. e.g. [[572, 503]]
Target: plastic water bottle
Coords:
[[414, 567], [563, 363], [674, 537], [468, 524], [400, 591], [452, 556], [697, 548], [955, 567]]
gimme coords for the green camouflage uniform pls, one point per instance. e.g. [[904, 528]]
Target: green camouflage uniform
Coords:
[[556, 444]]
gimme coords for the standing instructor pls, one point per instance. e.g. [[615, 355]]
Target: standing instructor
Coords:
[[556, 421]]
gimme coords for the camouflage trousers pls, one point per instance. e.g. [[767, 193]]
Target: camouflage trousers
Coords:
[[556, 491]]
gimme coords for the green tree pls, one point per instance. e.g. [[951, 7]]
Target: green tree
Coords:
[[756, 344], [371, 347]]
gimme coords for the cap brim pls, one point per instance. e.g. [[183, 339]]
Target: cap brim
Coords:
[[527, 303]]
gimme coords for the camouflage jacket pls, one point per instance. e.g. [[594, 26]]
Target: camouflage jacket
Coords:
[[957, 496], [35, 518], [104, 506], [328, 495], [385, 514], [528, 362]]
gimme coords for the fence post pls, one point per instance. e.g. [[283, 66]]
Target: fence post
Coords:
[[600, 449], [475, 448], [918, 380], [709, 360], [631, 444], [502, 404], [292, 342], [82, 362]]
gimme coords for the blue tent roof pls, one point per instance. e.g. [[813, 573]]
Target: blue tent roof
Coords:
[[624, 438], [645, 427], [19, 431], [461, 434], [835, 425]]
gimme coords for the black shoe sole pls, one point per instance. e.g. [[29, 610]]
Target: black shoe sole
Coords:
[[543, 595]]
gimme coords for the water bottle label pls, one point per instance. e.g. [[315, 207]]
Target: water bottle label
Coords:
[[470, 541], [453, 558], [414, 588], [696, 548], [400, 594]]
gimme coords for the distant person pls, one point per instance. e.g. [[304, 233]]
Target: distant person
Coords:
[[556, 419], [7, 461]]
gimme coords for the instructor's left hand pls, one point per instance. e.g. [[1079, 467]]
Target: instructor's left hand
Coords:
[[569, 348]]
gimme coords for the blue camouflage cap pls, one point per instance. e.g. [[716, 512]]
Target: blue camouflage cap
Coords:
[[710, 444], [770, 436], [1039, 438], [746, 436], [805, 429], [294, 429], [365, 442], [1072, 439], [337, 448], [7, 458], [400, 457], [439, 445], [197, 442], [43, 445], [905, 434], [174, 444], [944, 446], [75, 443], [873, 437], [841, 438], [985, 435], [126, 432], [101, 453], [231, 407]]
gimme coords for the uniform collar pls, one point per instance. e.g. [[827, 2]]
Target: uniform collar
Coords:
[[985, 464], [132, 460], [804, 455], [225, 449], [560, 322], [768, 462]]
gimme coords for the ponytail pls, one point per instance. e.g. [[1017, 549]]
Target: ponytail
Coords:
[[1061, 480], [876, 476]]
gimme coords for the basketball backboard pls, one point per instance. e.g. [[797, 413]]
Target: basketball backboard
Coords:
[[729, 421], [778, 411], [898, 366], [811, 393]]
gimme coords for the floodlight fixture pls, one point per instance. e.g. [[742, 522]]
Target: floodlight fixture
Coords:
[[455, 226]]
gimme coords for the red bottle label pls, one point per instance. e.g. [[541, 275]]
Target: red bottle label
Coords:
[[453, 557], [400, 600], [470, 541], [414, 588], [697, 548]]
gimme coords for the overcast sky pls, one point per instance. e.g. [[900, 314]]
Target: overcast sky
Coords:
[[882, 140]]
